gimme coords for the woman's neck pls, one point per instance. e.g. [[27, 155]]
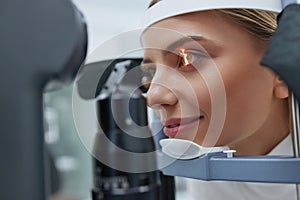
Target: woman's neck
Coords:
[[274, 130]]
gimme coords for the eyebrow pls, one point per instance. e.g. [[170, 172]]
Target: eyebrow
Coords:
[[187, 39]]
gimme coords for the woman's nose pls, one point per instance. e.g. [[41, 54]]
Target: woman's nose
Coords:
[[160, 95]]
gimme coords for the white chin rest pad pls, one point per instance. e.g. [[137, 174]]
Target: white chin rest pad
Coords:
[[185, 149]]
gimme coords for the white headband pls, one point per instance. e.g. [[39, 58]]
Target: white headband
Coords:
[[168, 8]]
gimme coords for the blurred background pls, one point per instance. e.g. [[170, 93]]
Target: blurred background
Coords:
[[105, 19]]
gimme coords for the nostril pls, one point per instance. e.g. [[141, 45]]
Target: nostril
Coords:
[[160, 95], [155, 107], [150, 101]]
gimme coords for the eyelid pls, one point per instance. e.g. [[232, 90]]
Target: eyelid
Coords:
[[148, 68], [185, 56], [195, 51]]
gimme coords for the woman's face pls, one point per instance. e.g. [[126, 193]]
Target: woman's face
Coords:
[[208, 85]]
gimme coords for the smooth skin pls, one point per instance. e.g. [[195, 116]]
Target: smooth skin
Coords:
[[255, 100]]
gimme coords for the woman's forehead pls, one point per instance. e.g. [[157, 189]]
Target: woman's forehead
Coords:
[[183, 29], [207, 30]]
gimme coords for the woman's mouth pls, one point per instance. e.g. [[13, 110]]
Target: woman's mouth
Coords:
[[175, 125]]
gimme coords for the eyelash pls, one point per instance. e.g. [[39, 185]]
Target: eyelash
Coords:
[[148, 74], [182, 65], [186, 60]]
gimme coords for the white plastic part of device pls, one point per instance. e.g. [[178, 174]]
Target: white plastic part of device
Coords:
[[169, 8], [185, 149]]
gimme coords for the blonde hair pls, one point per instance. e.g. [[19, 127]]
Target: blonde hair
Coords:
[[261, 24]]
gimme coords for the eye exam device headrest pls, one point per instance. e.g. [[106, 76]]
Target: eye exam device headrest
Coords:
[[169, 8]]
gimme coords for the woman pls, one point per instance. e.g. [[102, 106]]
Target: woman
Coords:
[[187, 55]]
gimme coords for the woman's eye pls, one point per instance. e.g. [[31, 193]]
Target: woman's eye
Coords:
[[149, 70], [148, 73], [189, 59]]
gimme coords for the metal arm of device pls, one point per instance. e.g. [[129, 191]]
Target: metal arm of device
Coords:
[[217, 166]]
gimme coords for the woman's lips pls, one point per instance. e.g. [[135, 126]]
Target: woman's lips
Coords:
[[175, 125]]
